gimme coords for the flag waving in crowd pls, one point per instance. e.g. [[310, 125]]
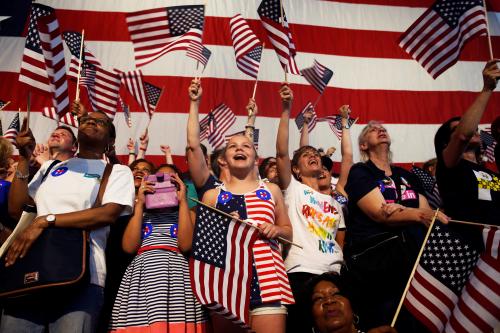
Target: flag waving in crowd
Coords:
[[53, 52], [436, 39], [133, 81], [247, 47], [488, 143], [318, 76], [216, 124], [454, 286], [335, 123], [221, 256], [429, 185], [198, 52], [13, 130], [155, 32], [153, 95], [272, 15], [300, 119], [33, 71]]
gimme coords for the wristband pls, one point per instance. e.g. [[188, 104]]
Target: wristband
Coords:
[[248, 125], [143, 149], [131, 152], [19, 175]]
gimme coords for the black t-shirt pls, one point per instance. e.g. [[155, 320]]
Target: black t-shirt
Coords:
[[211, 183], [401, 187], [470, 192]]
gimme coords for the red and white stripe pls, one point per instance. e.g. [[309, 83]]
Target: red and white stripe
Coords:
[[133, 81], [105, 91], [195, 50], [150, 35], [53, 52], [244, 41], [372, 73], [478, 309], [237, 262], [271, 273], [67, 119], [224, 118], [435, 45]]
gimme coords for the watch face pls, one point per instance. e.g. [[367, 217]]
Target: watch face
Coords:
[[50, 218]]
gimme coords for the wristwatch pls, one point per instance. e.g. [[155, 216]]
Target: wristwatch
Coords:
[[51, 220]]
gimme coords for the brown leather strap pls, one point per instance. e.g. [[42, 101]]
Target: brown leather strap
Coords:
[[102, 185]]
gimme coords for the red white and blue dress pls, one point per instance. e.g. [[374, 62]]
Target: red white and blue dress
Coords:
[[155, 294], [270, 283]]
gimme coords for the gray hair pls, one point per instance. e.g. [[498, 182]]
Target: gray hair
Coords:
[[361, 139]]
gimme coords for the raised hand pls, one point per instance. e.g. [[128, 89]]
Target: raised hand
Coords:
[[491, 75], [195, 91], [345, 111], [286, 95], [25, 141], [252, 108]]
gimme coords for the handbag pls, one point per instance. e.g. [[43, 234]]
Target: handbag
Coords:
[[165, 192], [58, 258]]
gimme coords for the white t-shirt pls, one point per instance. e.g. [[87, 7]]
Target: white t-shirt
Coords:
[[72, 186], [315, 219]]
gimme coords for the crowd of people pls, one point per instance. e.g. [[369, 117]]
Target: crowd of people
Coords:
[[359, 233]]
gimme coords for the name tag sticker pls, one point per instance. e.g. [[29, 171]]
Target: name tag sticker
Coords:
[[92, 175]]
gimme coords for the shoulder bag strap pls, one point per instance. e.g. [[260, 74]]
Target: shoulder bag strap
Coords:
[[102, 186]]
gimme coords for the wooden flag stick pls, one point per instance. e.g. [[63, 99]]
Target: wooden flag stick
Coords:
[[77, 97], [472, 223], [4, 106], [414, 268], [317, 100], [488, 29], [284, 240], [28, 107]]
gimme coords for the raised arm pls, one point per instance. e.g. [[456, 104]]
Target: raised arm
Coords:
[[252, 111], [131, 150], [470, 120], [197, 164], [131, 239], [168, 154], [144, 139], [18, 193], [345, 150], [304, 133], [282, 154]]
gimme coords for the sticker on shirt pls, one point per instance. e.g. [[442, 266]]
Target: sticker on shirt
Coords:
[[147, 229], [485, 184], [224, 197], [263, 194], [59, 171], [387, 187], [174, 229]]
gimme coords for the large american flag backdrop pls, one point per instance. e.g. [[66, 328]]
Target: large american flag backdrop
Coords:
[[357, 39]]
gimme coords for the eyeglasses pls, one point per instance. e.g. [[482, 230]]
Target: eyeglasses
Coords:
[[98, 121]]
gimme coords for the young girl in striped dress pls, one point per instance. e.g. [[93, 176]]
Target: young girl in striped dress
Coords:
[[250, 198], [155, 293]]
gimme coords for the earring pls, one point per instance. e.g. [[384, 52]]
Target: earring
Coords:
[[356, 319]]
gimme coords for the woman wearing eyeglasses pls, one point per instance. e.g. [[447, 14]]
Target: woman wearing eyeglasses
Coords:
[[64, 199], [388, 218]]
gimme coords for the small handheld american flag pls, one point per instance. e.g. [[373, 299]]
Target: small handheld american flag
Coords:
[[221, 264], [300, 120], [318, 76]]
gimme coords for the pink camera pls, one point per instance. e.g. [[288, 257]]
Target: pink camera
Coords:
[[165, 192]]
